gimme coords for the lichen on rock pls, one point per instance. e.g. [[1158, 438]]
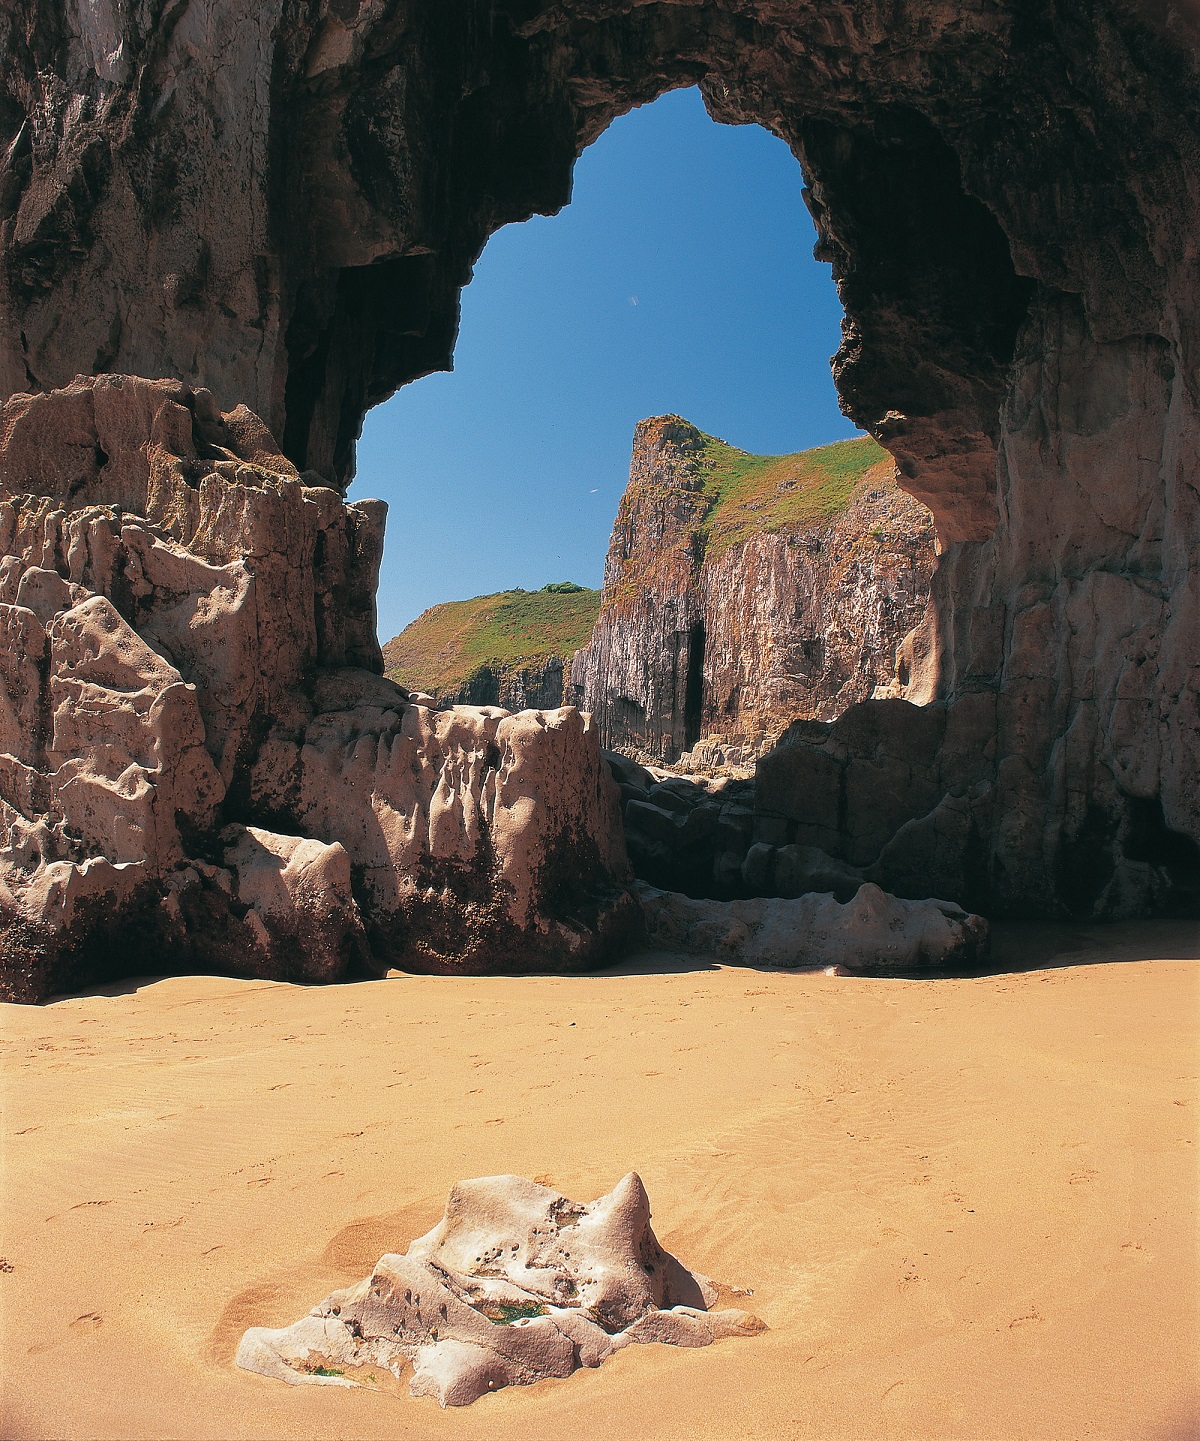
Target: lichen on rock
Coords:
[[515, 1284]]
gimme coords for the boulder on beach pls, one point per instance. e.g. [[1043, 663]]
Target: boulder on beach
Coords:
[[873, 934], [516, 1283]]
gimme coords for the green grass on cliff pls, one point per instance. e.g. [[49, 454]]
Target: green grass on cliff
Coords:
[[448, 643], [749, 494]]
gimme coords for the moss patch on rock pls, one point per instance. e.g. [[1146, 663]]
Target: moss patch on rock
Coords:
[[749, 494]]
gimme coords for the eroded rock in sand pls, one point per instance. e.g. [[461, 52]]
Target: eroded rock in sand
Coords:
[[200, 766], [873, 933], [515, 1284]]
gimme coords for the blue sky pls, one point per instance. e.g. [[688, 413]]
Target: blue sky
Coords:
[[680, 278]]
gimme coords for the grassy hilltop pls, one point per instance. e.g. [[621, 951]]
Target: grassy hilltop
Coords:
[[449, 643], [749, 494], [741, 495]]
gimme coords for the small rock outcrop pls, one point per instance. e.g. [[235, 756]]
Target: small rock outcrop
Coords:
[[871, 934], [743, 592], [200, 764], [512, 649], [515, 1284]]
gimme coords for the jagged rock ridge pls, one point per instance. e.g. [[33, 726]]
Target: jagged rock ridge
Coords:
[[743, 592], [200, 764]]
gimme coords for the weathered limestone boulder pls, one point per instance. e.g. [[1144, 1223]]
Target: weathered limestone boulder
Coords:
[[874, 933], [299, 895], [515, 1284], [200, 765]]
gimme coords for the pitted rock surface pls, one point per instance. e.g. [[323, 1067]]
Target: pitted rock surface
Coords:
[[200, 767], [516, 1283]]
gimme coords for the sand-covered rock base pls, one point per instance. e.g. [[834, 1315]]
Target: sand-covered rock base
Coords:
[[515, 1284], [966, 1208]]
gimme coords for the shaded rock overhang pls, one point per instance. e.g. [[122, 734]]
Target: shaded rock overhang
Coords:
[[282, 201]]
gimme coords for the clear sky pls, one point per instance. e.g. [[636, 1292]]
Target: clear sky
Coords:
[[680, 278]]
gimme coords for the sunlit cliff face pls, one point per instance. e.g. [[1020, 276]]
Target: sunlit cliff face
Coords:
[[284, 208]]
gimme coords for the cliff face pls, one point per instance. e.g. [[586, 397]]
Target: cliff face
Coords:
[[742, 592], [281, 201], [509, 649], [200, 764], [530, 687]]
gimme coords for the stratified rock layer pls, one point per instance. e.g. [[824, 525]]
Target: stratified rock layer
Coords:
[[722, 646], [515, 1284], [200, 766]]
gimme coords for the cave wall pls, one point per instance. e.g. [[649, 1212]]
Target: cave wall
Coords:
[[281, 201]]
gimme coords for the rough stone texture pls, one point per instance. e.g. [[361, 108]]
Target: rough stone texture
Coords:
[[531, 687], [199, 764], [1008, 198], [724, 650], [515, 1284], [872, 933]]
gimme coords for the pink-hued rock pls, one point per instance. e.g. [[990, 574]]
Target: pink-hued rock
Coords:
[[704, 648], [199, 762], [515, 1284], [872, 933]]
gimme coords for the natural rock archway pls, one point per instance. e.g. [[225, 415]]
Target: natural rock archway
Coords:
[[280, 202]]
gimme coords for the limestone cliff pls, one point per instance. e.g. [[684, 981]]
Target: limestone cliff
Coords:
[[510, 649], [200, 764], [282, 201], [743, 592]]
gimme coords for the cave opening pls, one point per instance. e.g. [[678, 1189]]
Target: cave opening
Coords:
[[679, 279], [693, 704], [1004, 204]]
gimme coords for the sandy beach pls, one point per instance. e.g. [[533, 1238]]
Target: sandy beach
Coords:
[[966, 1207]]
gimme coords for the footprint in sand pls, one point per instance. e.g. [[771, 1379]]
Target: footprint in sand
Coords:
[[88, 1321]]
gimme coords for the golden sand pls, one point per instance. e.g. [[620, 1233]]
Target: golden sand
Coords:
[[966, 1207]]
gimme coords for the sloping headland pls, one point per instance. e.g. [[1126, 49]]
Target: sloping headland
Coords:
[[508, 649]]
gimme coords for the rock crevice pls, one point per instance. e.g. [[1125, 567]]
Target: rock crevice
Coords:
[[198, 758]]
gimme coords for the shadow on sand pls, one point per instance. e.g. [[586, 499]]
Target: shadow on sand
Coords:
[[1016, 947]]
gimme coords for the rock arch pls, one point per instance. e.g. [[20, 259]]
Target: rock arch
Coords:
[[281, 202]]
